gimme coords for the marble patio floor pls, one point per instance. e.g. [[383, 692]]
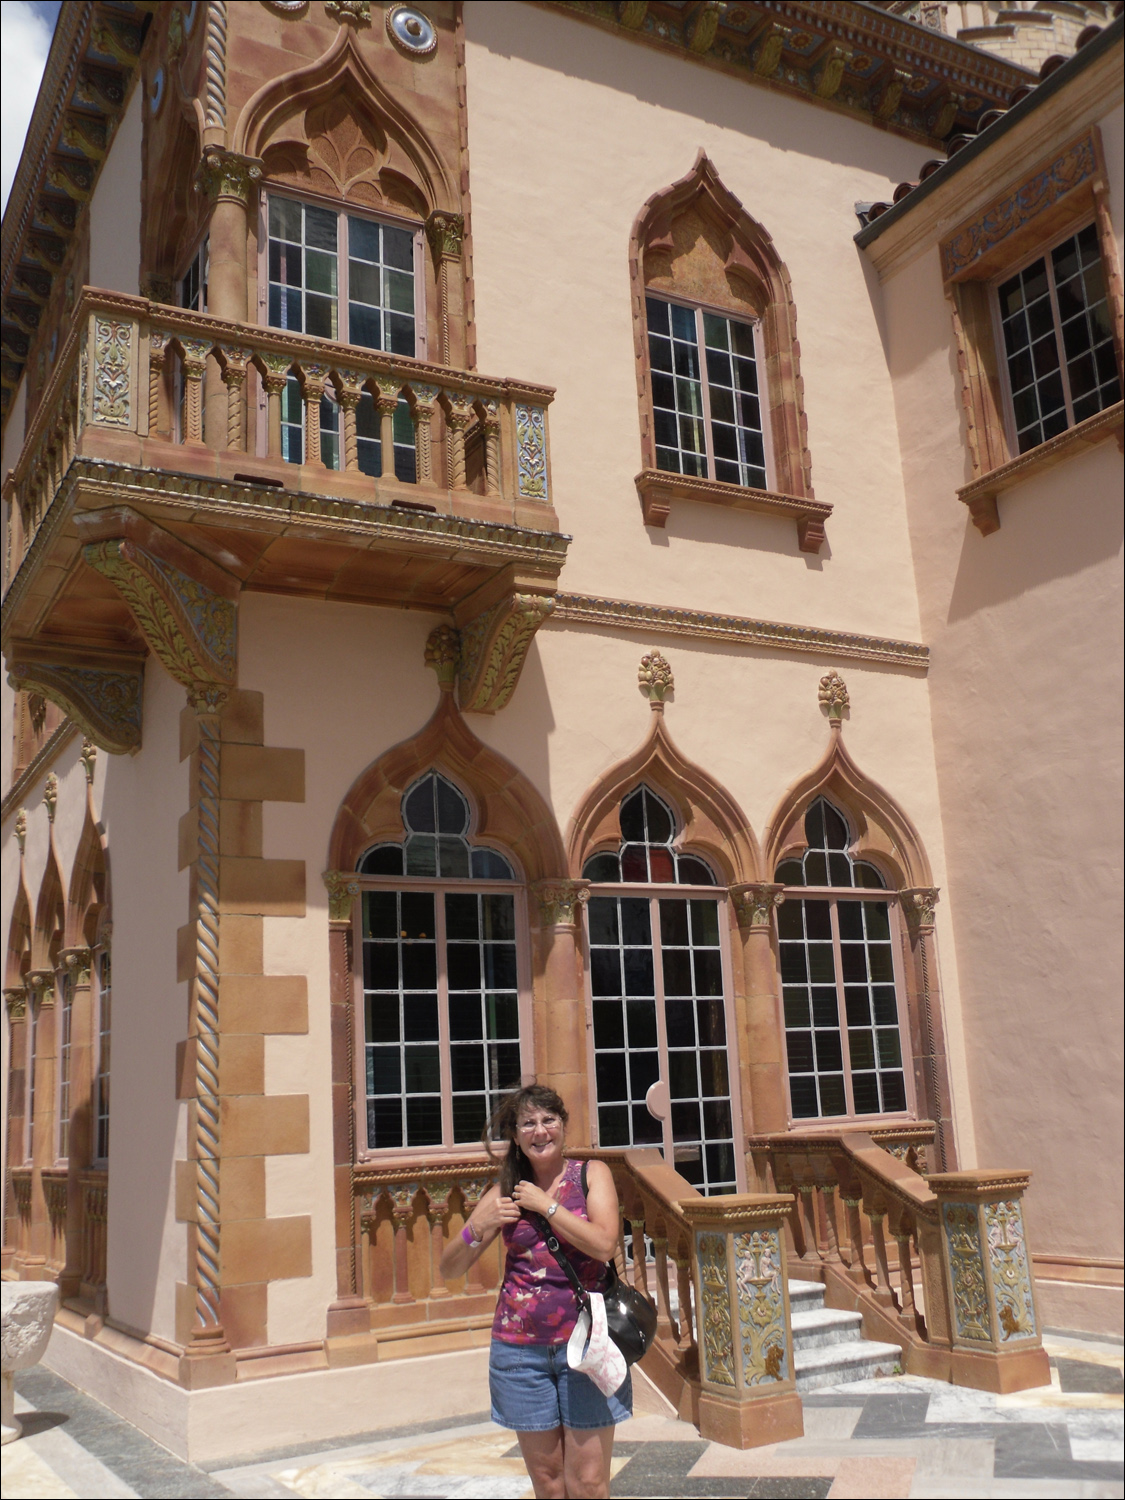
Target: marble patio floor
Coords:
[[900, 1436]]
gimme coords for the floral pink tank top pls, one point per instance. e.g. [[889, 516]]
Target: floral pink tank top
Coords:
[[536, 1304]]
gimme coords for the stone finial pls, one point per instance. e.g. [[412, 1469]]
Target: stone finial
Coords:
[[654, 677], [754, 903], [88, 756], [834, 695], [343, 888], [561, 900], [51, 794], [21, 828], [352, 12], [443, 654]]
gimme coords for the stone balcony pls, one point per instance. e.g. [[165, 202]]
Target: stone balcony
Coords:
[[249, 458]]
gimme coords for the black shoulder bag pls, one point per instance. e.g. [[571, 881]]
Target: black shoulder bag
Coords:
[[630, 1316]]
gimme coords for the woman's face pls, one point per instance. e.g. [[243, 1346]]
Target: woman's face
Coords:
[[540, 1133]]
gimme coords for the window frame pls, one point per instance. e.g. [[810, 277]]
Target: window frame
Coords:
[[366, 1154], [64, 1055], [653, 892], [833, 894], [755, 324], [343, 210], [102, 1040], [1044, 251]]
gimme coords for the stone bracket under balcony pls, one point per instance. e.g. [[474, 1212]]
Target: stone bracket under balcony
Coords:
[[103, 692]]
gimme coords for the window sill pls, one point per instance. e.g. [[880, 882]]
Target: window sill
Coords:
[[658, 489], [981, 495]]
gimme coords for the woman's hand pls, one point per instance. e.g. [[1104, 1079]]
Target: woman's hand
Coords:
[[486, 1222], [530, 1198], [492, 1214]]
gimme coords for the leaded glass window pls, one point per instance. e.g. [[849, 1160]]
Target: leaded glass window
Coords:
[[838, 946], [441, 976], [706, 406], [101, 1080], [659, 999], [66, 1038], [1058, 340]]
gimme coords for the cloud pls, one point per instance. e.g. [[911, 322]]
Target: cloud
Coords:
[[25, 38]]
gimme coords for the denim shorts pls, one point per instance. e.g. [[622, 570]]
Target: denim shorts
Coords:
[[534, 1390]]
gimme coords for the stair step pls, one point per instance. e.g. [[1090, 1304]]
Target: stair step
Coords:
[[818, 1327], [804, 1295], [840, 1364]]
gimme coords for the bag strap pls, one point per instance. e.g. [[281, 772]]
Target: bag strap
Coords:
[[561, 1257]]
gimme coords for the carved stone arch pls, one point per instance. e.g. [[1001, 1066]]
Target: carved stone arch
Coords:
[[49, 933], [884, 834], [317, 115], [17, 960], [694, 240], [508, 810], [711, 822]]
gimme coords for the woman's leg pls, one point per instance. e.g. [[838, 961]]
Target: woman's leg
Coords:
[[543, 1455], [586, 1453]]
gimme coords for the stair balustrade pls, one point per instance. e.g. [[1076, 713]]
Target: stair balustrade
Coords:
[[972, 1318], [162, 387]]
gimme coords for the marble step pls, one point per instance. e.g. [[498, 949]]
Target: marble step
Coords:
[[804, 1295], [840, 1364], [817, 1327]]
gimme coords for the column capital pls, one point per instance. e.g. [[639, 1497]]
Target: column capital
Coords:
[[918, 904], [227, 175], [560, 901], [15, 1002], [446, 232], [343, 888], [754, 903], [78, 963], [41, 988]]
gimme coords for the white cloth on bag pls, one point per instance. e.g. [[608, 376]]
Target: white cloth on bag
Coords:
[[593, 1352]]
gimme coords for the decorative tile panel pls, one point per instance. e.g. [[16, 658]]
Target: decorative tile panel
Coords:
[[761, 1306], [531, 452], [967, 1271], [716, 1336], [112, 397], [1011, 1280]]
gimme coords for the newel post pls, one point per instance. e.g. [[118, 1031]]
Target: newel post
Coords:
[[987, 1265], [745, 1336]]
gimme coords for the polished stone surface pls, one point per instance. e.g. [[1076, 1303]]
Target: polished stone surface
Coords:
[[895, 1437]]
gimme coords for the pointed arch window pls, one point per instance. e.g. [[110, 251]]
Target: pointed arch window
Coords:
[[841, 988], [444, 976], [660, 998]]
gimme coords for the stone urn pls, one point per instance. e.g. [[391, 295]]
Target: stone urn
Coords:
[[28, 1309]]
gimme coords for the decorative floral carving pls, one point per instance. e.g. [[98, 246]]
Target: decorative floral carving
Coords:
[[21, 828], [343, 888], [716, 1344], [1011, 1282], [531, 452], [445, 233], [1002, 218], [754, 904], [15, 1000], [351, 12], [78, 962], [966, 1271], [834, 695], [51, 794], [443, 653], [112, 403], [105, 702], [654, 677], [560, 900], [493, 648], [918, 906], [761, 1306]]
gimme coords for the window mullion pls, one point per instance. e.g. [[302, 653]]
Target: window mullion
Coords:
[[444, 1060], [661, 1027], [343, 295], [841, 1007], [1064, 373], [705, 393]]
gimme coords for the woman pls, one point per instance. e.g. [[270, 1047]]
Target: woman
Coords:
[[565, 1424]]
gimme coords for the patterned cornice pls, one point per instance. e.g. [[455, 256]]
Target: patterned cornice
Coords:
[[622, 614], [85, 87], [851, 56]]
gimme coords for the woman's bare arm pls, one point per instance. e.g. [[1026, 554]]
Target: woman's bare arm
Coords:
[[486, 1222]]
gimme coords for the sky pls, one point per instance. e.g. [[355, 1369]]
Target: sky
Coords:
[[26, 28]]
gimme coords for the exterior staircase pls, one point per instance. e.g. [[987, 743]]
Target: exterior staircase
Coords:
[[828, 1345]]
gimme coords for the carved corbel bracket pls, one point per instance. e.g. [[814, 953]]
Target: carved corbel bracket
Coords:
[[493, 648], [343, 888], [918, 907], [103, 694], [188, 623], [755, 903], [560, 901], [828, 73]]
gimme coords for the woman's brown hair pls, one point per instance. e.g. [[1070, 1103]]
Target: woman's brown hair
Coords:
[[514, 1166]]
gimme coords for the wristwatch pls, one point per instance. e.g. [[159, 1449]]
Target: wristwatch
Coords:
[[552, 1211]]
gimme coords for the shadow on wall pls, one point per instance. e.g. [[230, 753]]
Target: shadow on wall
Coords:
[[562, 45], [522, 730], [1051, 527]]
